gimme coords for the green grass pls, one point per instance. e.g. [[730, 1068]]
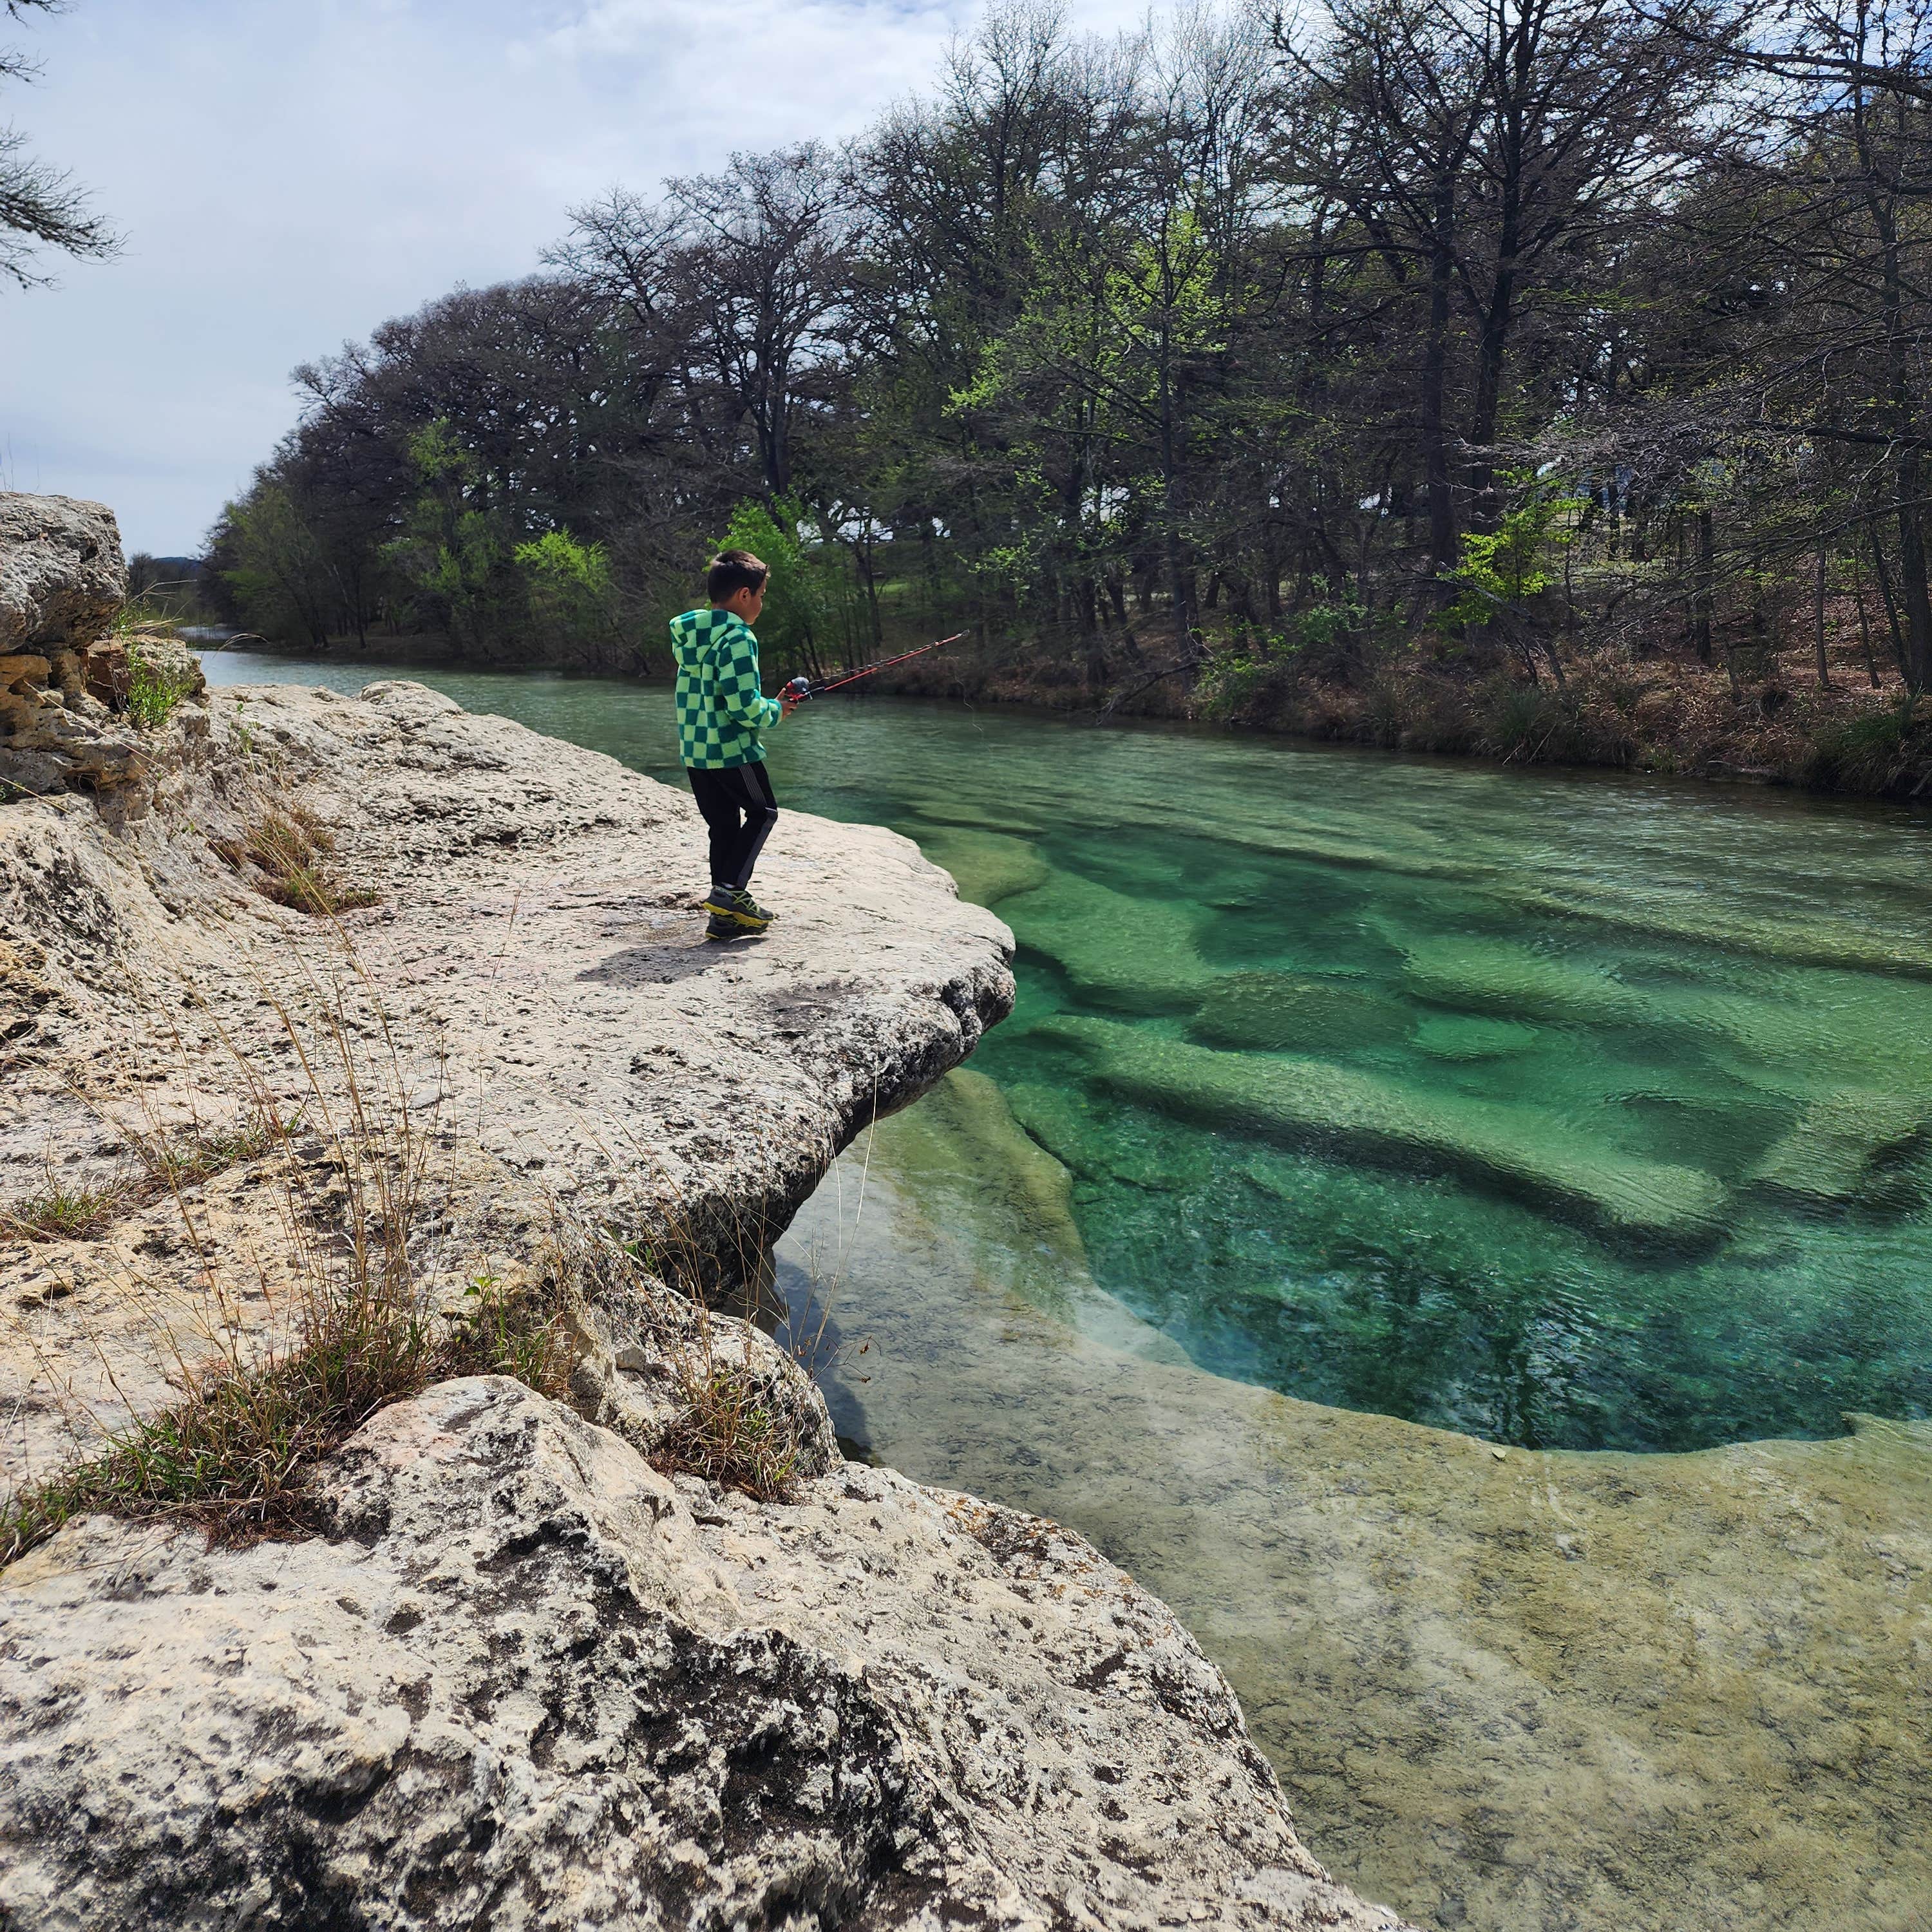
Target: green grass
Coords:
[[62, 1213], [152, 695], [183, 1160], [235, 1457]]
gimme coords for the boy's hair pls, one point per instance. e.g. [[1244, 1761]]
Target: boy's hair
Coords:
[[732, 571]]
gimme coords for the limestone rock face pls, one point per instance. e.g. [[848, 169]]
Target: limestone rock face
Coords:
[[526, 1681], [64, 685], [530, 979], [62, 576]]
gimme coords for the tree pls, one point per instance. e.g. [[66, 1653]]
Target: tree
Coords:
[[40, 207]]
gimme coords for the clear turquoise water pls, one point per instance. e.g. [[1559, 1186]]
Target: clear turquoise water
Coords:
[[1572, 1110]]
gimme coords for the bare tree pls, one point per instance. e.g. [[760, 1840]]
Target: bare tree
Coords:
[[40, 207]]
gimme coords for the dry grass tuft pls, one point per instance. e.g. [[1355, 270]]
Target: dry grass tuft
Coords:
[[234, 1457], [168, 1163], [362, 1324], [731, 1432], [287, 853]]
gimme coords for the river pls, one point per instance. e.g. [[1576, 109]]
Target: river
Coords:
[[1431, 1224]]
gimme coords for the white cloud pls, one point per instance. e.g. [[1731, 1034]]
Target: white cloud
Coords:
[[289, 173]]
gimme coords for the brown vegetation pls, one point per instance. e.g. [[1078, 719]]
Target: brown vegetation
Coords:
[[287, 854]]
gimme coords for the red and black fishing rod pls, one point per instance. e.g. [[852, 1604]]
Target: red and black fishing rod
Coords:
[[802, 687]]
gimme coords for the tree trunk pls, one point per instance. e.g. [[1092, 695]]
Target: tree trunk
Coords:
[[1435, 434], [1704, 595], [1883, 572], [1865, 622], [1818, 622]]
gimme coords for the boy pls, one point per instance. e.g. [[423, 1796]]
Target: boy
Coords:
[[720, 712]]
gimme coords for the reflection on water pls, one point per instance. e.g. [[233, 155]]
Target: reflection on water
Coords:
[[1570, 1110]]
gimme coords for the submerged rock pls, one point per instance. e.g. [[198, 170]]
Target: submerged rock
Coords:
[[986, 866], [1846, 1147], [525, 1681], [1523, 1150], [1289, 1013], [1520, 1691], [1137, 955]]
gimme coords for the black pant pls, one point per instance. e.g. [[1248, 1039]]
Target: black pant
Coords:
[[739, 807]]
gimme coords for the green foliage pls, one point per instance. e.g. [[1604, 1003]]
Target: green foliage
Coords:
[[148, 614], [1245, 668], [1234, 676], [153, 692], [809, 598], [1502, 569], [572, 601], [276, 572], [453, 553]]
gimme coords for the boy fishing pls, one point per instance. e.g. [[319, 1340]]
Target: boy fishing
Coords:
[[721, 710]]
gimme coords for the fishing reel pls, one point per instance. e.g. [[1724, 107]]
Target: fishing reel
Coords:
[[798, 690]]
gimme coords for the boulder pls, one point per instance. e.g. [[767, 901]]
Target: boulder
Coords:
[[62, 576], [523, 1680]]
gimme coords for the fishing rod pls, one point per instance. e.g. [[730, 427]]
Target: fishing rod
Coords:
[[802, 687]]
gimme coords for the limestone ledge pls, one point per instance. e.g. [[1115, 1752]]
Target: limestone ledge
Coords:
[[524, 1679]]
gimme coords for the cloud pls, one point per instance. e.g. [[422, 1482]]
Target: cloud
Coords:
[[289, 176]]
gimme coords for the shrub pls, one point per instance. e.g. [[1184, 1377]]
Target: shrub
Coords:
[[1872, 753], [730, 1432], [573, 603]]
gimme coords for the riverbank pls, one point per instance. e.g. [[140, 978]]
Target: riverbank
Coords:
[[368, 992], [1759, 718]]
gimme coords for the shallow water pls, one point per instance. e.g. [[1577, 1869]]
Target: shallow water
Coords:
[[1569, 1111]]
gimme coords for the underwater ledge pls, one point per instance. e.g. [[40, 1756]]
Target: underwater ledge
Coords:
[[1508, 1688]]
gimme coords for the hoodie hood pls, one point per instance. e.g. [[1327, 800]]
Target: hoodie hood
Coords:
[[695, 635]]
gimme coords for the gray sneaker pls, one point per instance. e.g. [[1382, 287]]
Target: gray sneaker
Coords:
[[740, 907]]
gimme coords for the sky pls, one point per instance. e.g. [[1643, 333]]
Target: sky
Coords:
[[288, 173]]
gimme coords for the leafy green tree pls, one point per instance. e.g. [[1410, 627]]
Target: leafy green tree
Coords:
[[572, 601], [274, 568]]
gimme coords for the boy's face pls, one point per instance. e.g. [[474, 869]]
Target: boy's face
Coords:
[[745, 604]]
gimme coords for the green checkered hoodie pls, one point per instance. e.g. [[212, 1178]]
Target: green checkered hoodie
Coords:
[[720, 709]]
